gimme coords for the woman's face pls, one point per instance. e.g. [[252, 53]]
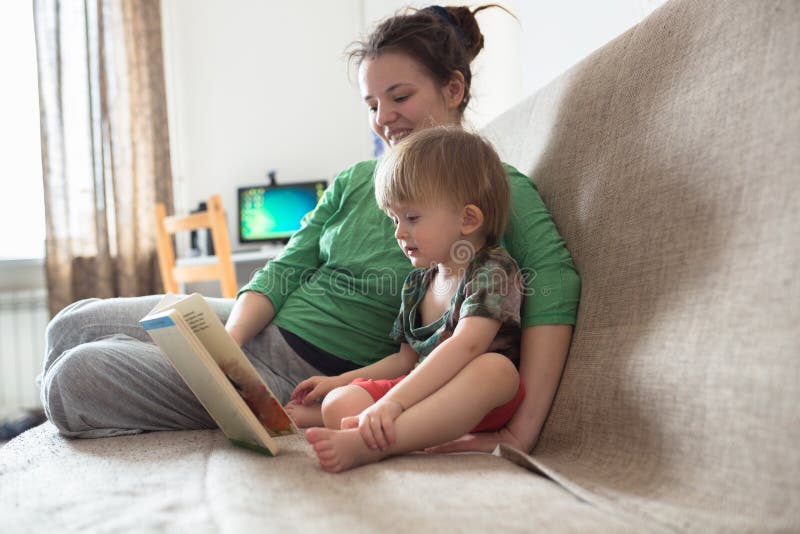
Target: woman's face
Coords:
[[402, 97]]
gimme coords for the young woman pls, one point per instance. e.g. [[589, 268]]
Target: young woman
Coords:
[[327, 304]]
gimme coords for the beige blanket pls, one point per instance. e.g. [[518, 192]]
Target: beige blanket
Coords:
[[196, 481], [670, 159]]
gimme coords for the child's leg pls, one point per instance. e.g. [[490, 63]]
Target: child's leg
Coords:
[[447, 414], [339, 403], [343, 402], [305, 416]]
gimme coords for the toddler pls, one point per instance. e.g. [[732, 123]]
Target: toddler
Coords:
[[447, 193]]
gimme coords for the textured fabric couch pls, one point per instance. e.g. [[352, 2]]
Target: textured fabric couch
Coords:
[[670, 159]]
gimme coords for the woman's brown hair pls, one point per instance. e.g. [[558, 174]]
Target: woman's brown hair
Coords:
[[444, 40]]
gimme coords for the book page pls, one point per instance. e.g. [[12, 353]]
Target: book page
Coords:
[[203, 376], [165, 303], [209, 329]]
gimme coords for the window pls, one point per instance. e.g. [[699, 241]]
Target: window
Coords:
[[21, 191]]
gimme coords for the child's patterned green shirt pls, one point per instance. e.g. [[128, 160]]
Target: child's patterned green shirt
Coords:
[[491, 287]]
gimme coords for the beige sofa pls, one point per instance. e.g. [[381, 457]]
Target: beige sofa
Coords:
[[670, 159]]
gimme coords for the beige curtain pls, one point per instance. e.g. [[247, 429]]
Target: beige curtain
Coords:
[[105, 145]]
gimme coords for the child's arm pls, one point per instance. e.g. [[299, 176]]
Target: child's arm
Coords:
[[491, 297], [470, 339], [544, 351], [392, 366]]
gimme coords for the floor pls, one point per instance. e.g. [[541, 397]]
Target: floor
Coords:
[[11, 426]]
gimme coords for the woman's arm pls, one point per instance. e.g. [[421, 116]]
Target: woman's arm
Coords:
[[260, 299], [251, 313], [280, 277], [552, 286], [544, 352]]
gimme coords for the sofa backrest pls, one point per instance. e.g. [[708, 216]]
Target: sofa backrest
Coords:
[[670, 160]]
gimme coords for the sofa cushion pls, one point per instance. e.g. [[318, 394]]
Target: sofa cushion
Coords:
[[196, 481], [670, 160]]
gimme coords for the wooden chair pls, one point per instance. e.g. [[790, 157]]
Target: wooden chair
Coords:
[[219, 267]]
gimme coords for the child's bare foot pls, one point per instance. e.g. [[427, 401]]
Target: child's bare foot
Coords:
[[304, 416], [339, 450]]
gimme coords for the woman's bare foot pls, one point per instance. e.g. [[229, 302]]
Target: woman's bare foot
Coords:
[[339, 450], [304, 416]]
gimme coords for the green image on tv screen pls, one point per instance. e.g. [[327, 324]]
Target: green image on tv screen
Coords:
[[275, 212]]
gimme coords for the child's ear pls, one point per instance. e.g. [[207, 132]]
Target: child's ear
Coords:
[[471, 219]]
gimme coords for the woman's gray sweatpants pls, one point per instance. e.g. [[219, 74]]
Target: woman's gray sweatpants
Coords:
[[103, 375]]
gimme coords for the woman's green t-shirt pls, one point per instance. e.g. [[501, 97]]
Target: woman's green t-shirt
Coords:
[[338, 282]]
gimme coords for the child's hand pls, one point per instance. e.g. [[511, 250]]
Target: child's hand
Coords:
[[376, 423], [314, 388]]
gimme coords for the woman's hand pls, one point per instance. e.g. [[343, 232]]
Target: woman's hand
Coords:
[[376, 423], [314, 388], [481, 442]]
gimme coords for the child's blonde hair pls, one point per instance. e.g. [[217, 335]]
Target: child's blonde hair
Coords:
[[446, 164]]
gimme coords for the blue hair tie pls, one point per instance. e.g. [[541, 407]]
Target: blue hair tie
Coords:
[[448, 19]]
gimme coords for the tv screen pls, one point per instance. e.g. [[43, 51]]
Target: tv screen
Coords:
[[273, 213]]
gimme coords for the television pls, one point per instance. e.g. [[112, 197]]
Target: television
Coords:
[[272, 213]]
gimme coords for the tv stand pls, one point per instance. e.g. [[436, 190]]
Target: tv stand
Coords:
[[245, 263], [266, 252]]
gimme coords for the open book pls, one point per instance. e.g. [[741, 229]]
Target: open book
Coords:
[[193, 338]]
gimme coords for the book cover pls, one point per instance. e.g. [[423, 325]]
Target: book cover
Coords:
[[195, 341]]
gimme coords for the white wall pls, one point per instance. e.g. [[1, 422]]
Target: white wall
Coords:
[[255, 85], [259, 84], [523, 54], [558, 34]]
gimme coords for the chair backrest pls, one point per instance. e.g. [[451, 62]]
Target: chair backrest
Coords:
[[219, 267]]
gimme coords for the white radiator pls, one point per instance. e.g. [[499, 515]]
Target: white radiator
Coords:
[[23, 319]]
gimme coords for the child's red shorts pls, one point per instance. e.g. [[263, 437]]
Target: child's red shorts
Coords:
[[494, 420]]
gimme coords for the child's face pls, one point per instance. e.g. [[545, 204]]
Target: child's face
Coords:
[[426, 234]]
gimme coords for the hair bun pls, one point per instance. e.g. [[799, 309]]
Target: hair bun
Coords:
[[444, 40], [473, 38]]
